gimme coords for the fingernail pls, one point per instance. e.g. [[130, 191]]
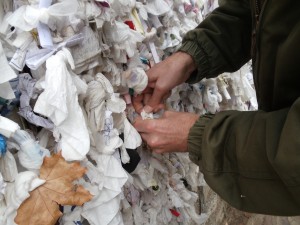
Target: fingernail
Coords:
[[148, 109]]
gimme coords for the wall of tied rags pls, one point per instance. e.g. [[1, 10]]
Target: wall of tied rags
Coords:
[[66, 61]]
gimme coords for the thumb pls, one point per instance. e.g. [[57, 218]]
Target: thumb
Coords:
[[156, 98]]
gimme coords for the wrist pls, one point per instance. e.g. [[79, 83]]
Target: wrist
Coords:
[[187, 62]]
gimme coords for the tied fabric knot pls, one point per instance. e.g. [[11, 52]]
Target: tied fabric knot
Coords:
[[25, 183], [33, 16], [7, 74], [8, 127], [27, 17], [59, 102], [28, 91], [36, 58], [31, 154], [2, 186], [66, 56]]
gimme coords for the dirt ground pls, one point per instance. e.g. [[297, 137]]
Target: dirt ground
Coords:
[[220, 213]]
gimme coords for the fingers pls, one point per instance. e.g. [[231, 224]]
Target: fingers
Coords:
[[159, 87], [141, 100], [137, 103], [158, 108], [153, 143], [140, 103], [156, 98], [148, 90], [152, 75], [154, 95], [144, 126], [146, 99], [151, 85], [153, 132]]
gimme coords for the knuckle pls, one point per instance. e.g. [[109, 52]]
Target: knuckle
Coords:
[[151, 126], [153, 142], [159, 87]]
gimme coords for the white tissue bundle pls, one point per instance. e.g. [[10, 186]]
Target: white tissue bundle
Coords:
[[86, 59]]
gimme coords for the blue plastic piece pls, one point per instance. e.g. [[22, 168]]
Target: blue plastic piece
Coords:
[[144, 60], [2, 145]]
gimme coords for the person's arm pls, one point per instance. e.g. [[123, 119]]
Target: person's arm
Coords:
[[162, 78], [222, 42], [251, 159]]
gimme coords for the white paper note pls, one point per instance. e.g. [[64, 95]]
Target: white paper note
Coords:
[[43, 30]]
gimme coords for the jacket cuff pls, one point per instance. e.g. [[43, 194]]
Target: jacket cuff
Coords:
[[195, 138], [201, 59]]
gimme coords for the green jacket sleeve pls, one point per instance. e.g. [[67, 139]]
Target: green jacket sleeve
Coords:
[[251, 159], [222, 42]]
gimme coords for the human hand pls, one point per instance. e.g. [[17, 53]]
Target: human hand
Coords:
[[162, 78], [168, 133]]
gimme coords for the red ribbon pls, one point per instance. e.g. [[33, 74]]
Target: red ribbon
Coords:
[[175, 213]]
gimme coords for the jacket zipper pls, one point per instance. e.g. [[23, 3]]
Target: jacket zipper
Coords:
[[257, 11], [255, 34], [254, 31]]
